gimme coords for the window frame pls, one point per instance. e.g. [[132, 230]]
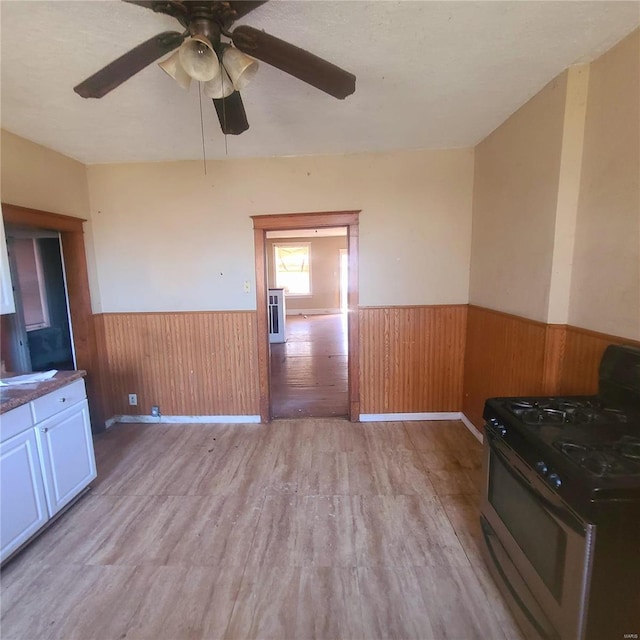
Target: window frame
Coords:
[[276, 246], [42, 288]]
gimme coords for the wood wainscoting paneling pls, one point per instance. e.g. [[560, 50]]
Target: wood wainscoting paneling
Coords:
[[504, 356], [507, 355], [411, 358], [192, 363], [581, 358]]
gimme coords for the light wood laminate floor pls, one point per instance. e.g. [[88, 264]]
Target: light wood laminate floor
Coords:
[[298, 529], [309, 370]]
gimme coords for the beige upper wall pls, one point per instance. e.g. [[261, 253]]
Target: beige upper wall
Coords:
[[514, 207], [169, 238], [556, 208], [39, 178], [605, 288], [325, 272]]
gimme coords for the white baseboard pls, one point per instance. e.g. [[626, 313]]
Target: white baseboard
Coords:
[[312, 312], [182, 420], [394, 417], [474, 430], [364, 417], [443, 415]]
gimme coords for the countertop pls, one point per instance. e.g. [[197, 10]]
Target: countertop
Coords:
[[15, 396]]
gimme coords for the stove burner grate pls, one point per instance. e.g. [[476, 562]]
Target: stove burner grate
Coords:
[[604, 460], [555, 411], [628, 447], [543, 416]]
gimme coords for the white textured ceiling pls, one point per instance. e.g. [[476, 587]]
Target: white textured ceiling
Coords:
[[429, 75]]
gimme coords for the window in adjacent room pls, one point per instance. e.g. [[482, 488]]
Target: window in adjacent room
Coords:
[[293, 267], [31, 281]]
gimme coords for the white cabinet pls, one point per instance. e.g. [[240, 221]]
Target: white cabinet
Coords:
[[46, 460], [66, 450], [23, 510], [7, 304]]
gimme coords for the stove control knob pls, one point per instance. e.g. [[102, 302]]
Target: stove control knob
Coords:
[[554, 480], [542, 467], [498, 428]]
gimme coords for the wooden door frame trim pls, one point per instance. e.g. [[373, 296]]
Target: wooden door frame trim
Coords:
[[285, 222], [77, 277]]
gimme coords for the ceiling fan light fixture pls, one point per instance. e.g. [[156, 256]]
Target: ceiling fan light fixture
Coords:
[[172, 67], [220, 87], [198, 59], [240, 67]]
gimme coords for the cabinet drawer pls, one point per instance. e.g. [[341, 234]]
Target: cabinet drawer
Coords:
[[58, 400], [15, 421]]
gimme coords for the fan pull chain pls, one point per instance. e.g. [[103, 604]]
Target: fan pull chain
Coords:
[[224, 109], [204, 154]]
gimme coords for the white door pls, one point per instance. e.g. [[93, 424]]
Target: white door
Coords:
[[24, 509], [7, 304], [66, 450]]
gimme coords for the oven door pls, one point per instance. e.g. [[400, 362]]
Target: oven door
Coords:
[[539, 550]]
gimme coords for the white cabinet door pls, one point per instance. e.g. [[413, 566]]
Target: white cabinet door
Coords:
[[66, 452], [24, 509], [7, 304]]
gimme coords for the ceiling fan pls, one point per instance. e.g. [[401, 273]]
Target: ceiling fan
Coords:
[[224, 67]]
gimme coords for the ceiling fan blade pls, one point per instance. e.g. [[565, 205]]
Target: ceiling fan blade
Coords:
[[114, 74], [231, 114], [148, 4], [297, 62], [174, 8], [242, 7]]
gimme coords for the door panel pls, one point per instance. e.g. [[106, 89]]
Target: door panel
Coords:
[[24, 508], [66, 449]]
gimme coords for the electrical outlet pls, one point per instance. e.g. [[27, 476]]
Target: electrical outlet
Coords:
[[133, 399], [155, 411], [247, 286]]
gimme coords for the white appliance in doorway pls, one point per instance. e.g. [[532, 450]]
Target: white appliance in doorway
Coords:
[[277, 315]]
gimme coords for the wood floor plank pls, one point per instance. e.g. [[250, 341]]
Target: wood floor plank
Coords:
[[298, 602], [183, 603], [394, 472], [329, 604], [383, 436], [64, 598], [464, 514], [309, 371], [299, 529], [449, 482], [392, 604], [442, 588], [267, 605]]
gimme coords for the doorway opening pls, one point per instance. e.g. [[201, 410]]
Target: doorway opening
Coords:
[[38, 336], [77, 281], [308, 331], [304, 334]]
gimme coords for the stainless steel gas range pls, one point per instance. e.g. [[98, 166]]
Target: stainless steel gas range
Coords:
[[560, 510]]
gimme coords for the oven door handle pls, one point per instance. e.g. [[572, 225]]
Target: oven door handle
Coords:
[[553, 503]]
